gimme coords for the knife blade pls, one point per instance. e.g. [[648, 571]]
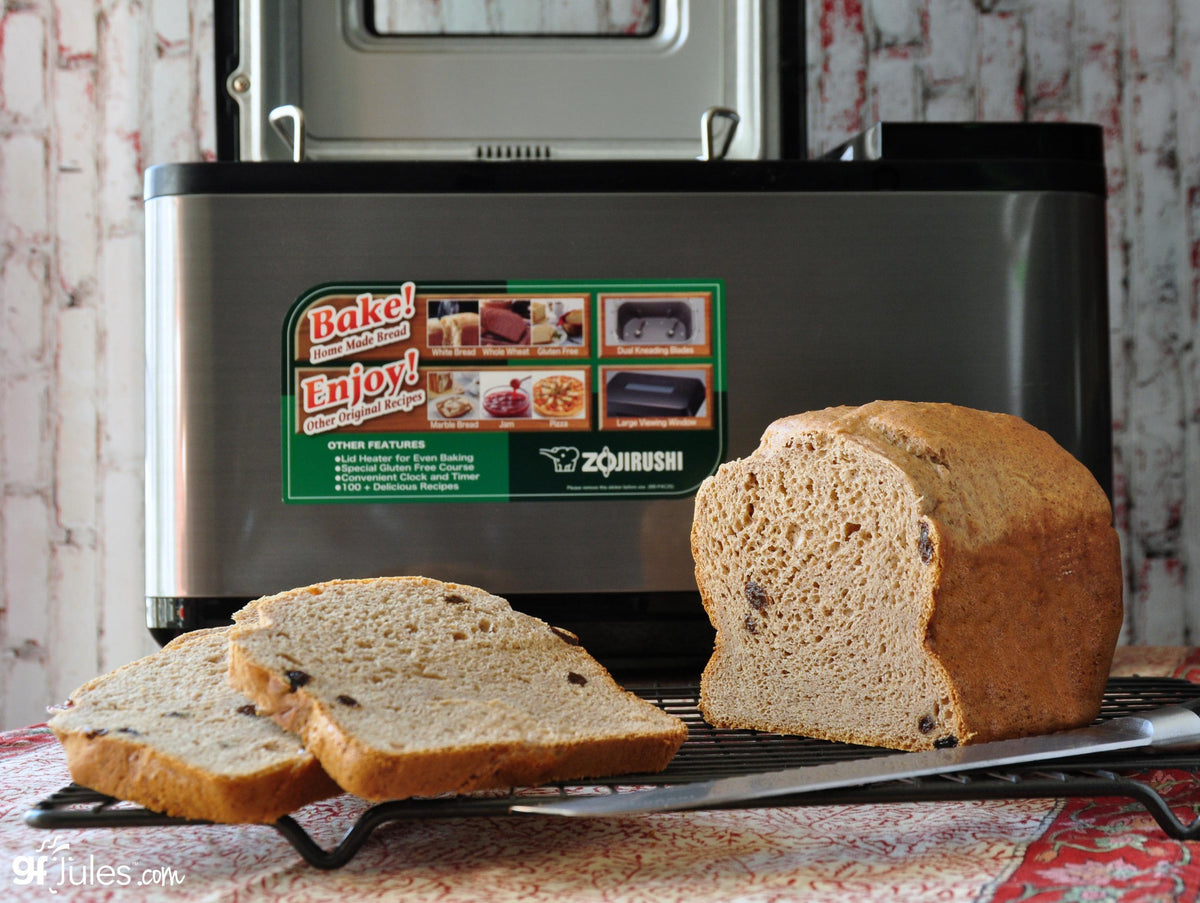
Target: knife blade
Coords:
[[1169, 727]]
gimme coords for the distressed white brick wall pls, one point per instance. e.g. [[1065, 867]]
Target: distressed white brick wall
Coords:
[[92, 91], [1128, 66]]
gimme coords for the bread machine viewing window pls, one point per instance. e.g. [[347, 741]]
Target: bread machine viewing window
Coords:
[[516, 17]]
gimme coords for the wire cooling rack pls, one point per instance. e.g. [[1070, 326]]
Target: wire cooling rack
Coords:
[[714, 753]]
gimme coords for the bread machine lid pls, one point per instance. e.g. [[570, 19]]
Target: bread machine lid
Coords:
[[388, 80]]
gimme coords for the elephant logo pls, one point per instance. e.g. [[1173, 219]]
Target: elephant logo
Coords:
[[564, 457]]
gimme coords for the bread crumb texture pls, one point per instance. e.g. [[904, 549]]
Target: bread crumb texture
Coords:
[[408, 686], [906, 575], [169, 733]]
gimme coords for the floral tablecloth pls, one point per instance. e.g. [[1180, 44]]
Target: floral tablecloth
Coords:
[[1023, 850]]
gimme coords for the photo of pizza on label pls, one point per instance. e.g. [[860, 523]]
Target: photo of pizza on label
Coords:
[[558, 396]]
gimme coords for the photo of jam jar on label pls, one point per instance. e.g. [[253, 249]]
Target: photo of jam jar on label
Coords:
[[506, 396]]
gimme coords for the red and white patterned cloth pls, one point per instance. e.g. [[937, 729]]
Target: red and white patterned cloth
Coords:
[[1022, 850]]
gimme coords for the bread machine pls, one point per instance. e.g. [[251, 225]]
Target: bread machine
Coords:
[[436, 331]]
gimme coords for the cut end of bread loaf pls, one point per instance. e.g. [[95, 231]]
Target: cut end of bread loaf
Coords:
[[906, 575], [168, 732], [411, 687]]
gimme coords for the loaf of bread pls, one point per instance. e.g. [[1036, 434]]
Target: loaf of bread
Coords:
[[168, 732], [906, 575], [407, 687], [503, 326], [461, 329]]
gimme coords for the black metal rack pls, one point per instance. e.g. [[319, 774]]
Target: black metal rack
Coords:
[[713, 753]]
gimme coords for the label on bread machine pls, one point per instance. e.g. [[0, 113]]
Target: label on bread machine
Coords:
[[502, 391]]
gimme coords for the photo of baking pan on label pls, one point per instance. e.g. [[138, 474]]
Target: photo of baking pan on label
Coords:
[[657, 397], [656, 325]]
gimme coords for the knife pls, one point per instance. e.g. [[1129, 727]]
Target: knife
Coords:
[[1170, 727]]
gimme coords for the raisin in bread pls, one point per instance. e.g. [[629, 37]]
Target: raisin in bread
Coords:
[[407, 686], [906, 575], [169, 733]]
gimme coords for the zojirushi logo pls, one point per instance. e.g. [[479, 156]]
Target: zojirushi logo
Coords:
[[606, 462]]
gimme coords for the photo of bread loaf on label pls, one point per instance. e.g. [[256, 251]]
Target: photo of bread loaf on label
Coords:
[[906, 575], [504, 322], [440, 382], [453, 323]]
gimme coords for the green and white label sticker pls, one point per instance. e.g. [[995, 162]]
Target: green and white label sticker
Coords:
[[503, 391]]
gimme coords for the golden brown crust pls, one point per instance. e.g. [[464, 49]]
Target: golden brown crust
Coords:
[[1028, 560], [140, 774], [995, 605]]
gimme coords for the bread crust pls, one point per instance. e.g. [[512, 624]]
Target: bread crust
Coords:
[[163, 783], [457, 767], [1018, 596], [373, 774]]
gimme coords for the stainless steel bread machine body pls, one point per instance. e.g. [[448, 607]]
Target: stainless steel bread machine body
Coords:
[[820, 283]]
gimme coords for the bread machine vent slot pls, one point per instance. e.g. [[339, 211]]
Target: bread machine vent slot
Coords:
[[512, 152]]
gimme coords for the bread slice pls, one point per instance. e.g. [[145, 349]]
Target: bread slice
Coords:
[[407, 686], [906, 575], [168, 732]]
